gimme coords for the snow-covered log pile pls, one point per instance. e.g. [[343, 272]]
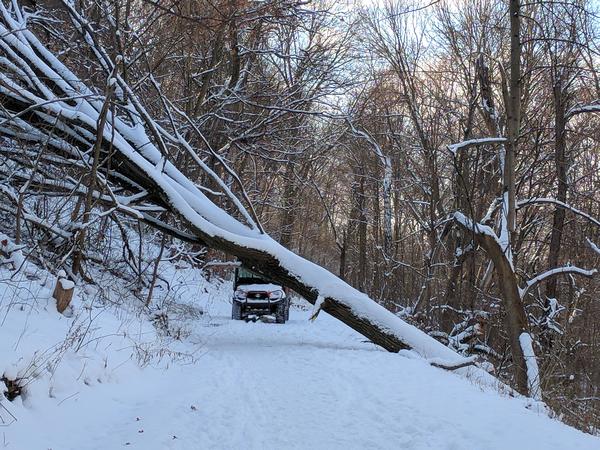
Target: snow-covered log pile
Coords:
[[44, 102]]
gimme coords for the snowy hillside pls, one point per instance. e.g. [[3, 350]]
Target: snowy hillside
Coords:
[[187, 377]]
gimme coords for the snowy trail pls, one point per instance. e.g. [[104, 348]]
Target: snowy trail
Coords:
[[296, 386], [302, 385]]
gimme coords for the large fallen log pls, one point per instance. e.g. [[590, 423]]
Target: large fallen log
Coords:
[[45, 102]]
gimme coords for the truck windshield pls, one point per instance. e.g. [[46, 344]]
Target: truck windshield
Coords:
[[246, 276]]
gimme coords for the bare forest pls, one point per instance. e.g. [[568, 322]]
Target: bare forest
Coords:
[[402, 165]]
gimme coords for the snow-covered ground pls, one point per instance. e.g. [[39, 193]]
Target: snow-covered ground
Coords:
[[219, 384]]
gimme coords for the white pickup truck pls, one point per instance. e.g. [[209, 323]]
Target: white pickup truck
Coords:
[[255, 298]]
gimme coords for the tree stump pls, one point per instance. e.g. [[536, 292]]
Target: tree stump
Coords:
[[63, 292]]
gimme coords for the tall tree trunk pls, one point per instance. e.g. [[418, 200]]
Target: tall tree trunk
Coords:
[[362, 232], [513, 110], [378, 258], [501, 252], [343, 250], [287, 216], [560, 164]]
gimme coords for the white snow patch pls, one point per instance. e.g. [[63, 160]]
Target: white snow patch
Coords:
[[533, 375], [454, 148], [267, 287], [66, 284], [593, 246], [317, 308]]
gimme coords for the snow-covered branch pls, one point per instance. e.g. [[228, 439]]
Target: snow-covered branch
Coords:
[[483, 230], [473, 226], [554, 272], [552, 201], [592, 108], [593, 246], [29, 216], [454, 148]]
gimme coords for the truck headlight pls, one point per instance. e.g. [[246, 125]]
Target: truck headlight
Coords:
[[239, 295], [276, 295]]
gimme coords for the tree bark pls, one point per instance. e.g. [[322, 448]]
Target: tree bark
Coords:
[[560, 164], [515, 318], [361, 228], [513, 112], [91, 185], [287, 210]]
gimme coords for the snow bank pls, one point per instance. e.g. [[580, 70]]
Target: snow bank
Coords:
[[533, 375]]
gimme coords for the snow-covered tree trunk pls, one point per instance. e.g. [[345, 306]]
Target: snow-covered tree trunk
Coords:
[[515, 319]]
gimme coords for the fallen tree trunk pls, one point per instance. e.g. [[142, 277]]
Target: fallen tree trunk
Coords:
[[44, 102]]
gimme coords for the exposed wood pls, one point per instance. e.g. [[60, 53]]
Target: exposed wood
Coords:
[[63, 293]]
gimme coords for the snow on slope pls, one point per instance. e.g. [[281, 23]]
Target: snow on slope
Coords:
[[233, 385]]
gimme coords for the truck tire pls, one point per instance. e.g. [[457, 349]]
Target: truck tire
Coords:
[[236, 311], [287, 309]]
